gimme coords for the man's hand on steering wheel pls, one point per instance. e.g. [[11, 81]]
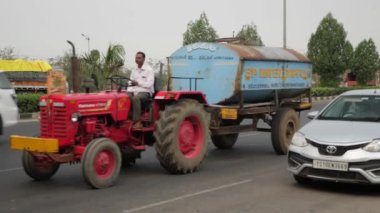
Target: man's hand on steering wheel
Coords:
[[134, 83]]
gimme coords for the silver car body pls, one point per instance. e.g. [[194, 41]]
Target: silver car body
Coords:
[[8, 108], [340, 143]]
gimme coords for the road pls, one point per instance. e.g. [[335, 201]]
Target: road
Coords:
[[249, 178]]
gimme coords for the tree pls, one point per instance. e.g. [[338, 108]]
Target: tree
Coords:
[[7, 53], [100, 67], [365, 61], [199, 31], [248, 35], [329, 51]]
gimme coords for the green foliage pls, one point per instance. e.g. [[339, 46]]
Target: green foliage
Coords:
[[329, 51], [28, 102], [248, 35], [333, 91], [365, 61], [199, 30], [95, 65]]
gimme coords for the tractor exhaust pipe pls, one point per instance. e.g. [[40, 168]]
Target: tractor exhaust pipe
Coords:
[[75, 69]]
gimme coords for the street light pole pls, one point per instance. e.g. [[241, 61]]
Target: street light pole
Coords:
[[284, 37], [88, 41]]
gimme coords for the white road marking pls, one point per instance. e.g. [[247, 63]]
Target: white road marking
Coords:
[[9, 170], [186, 196]]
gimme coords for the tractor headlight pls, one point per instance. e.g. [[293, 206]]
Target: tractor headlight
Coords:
[[374, 146], [75, 117], [299, 140]]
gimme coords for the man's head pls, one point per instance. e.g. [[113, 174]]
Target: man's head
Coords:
[[140, 58]]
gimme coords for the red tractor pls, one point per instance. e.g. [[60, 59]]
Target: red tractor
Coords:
[[95, 129]]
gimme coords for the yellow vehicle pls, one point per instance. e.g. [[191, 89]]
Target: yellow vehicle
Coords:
[[33, 76]]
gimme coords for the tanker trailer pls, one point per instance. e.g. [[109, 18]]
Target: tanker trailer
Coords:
[[245, 83]]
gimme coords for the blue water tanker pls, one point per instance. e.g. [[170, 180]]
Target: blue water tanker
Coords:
[[245, 83], [228, 73]]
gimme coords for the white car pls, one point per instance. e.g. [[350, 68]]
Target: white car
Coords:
[[8, 108], [341, 143]]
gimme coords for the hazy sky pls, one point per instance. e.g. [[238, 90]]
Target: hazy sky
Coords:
[[40, 28]]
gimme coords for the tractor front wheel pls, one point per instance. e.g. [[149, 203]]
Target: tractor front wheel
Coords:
[[182, 136], [38, 168], [101, 162]]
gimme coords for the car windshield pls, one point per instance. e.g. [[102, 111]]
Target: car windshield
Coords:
[[353, 108], [4, 83]]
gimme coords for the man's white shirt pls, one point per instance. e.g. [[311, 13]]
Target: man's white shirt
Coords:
[[145, 79]]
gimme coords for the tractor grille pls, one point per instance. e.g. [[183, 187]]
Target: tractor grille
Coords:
[[54, 123]]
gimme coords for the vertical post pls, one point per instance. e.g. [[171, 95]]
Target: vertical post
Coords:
[[74, 69], [284, 19]]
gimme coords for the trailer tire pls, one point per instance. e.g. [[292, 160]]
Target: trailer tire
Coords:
[[226, 141], [101, 162], [285, 123], [182, 136], [129, 157], [39, 170]]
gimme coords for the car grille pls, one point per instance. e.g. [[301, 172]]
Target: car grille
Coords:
[[55, 124], [336, 175], [341, 150]]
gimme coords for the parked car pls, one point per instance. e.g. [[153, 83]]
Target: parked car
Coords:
[[8, 108], [341, 143]]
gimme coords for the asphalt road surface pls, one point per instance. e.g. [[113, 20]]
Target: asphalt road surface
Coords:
[[249, 178]]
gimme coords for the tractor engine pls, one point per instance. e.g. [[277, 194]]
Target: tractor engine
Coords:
[[76, 119]]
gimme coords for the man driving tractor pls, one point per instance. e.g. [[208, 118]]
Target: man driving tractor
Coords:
[[142, 87]]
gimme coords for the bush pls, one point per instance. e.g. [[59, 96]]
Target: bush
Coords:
[[28, 102], [333, 91]]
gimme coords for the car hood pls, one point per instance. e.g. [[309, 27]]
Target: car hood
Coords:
[[341, 132]]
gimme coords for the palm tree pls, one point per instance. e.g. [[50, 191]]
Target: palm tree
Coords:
[[102, 67]]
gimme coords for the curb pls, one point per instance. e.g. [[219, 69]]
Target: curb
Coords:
[[29, 116], [323, 98]]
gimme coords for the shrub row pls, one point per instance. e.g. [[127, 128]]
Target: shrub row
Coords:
[[333, 91], [28, 102]]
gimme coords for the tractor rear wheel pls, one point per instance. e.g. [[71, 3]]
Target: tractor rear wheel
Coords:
[[101, 162], [39, 169], [182, 136], [285, 123]]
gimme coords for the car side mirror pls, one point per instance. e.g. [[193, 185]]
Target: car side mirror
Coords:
[[312, 115]]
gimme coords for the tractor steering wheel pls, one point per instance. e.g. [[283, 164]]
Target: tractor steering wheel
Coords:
[[120, 81]]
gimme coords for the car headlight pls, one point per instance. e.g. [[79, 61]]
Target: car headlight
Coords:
[[374, 146], [299, 140], [75, 117]]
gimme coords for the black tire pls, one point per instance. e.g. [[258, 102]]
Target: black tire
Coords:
[[302, 180], [224, 141], [129, 157], [168, 148], [39, 170], [285, 123], [107, 152]]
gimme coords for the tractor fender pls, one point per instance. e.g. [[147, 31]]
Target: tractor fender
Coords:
[[170, 96]]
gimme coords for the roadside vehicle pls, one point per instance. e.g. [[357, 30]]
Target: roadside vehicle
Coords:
[[8, 108], [341, 143], [211, 88]]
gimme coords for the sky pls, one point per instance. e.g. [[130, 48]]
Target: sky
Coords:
[[39, 28]]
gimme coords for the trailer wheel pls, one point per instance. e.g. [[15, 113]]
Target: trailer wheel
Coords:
[[285, 123], [182, 137], [39, 169], [101, 162], [226, 141], [129, 157]]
